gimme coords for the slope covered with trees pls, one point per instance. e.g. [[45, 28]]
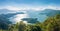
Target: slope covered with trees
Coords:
[[50, 24]]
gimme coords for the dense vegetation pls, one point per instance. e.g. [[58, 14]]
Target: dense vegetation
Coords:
[[50, 24]]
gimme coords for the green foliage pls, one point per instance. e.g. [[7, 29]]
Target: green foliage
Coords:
[[50, 24], [22, 26], [33, 27]]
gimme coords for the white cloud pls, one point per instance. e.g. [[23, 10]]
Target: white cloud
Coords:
[[18, 17], [12, 8], [25, 22], [31, 8], [51, 7]]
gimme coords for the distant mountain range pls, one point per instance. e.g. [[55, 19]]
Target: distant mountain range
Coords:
[[40, 15], [50, 12], [5, 11]]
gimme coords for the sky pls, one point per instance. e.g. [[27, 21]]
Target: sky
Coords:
[[29, 4], [36, 5]]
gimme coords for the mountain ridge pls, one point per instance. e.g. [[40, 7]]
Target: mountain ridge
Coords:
[[40, 15]]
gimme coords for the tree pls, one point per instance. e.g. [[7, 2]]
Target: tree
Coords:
[[35, 27], [22, 26], [52, 24]]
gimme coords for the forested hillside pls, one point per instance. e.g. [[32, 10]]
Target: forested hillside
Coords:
[[50, 24]]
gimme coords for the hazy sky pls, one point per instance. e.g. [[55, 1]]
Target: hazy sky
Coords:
[[29, 4]]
